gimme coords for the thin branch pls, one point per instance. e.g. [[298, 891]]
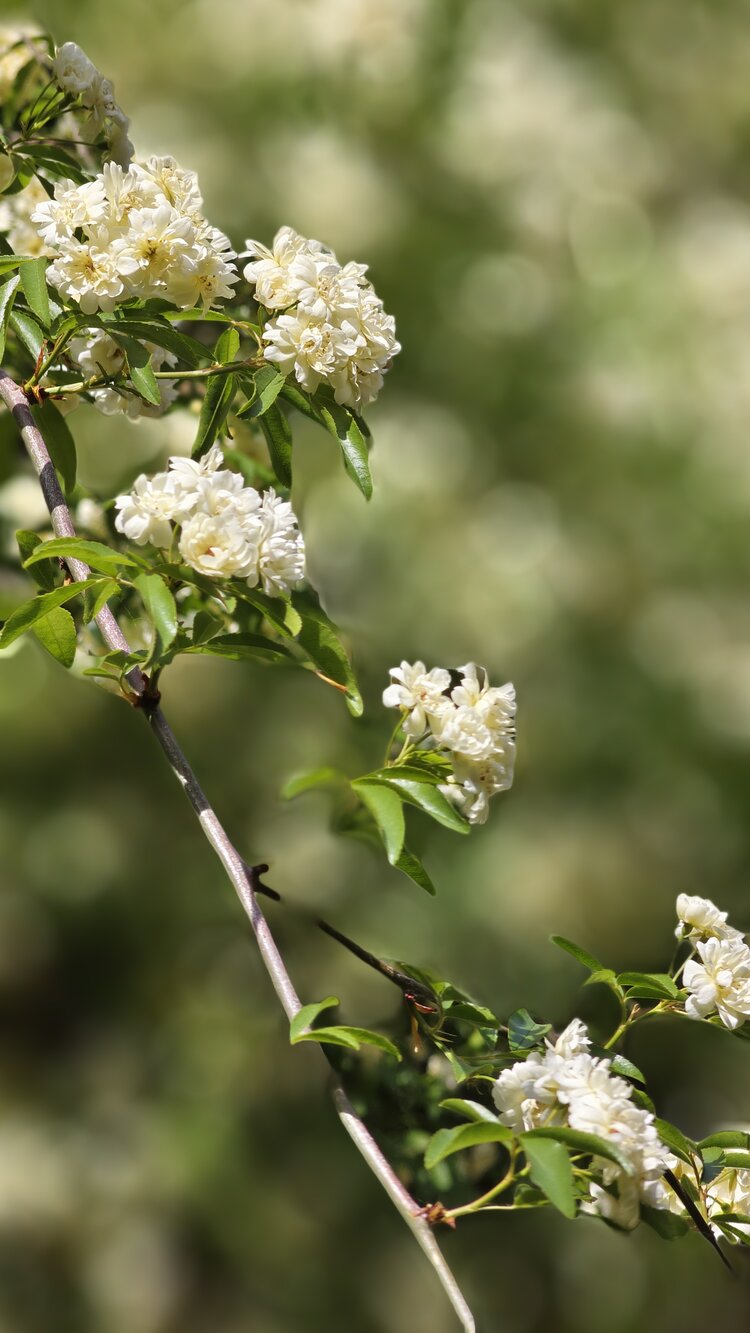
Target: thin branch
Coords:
[[242, 877]]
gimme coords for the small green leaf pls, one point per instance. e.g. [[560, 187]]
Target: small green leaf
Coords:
[[410, 864], [139, 368], [677, 1141], [296, 398], [621, 1065], [34, 283], [524, 1033], [649, 985], [424, 794], [57, 633], [578, 953], [240, 648], [30, 613], [473, 1111], [551, 1172], [351, 1037], [341, 424], [227, 347], [279, 440], [317, 777], [591, 1144], [670, 1226], [160, 608], [448, 1141], [7, 296], [151, 329], [59, 441], [206, 626], [220, 391], [307, 1015], [726, 1138], [262, 389], [28, 333], [278, 612], [95, 554], [93, 603], [319, 639], [43, 574], [386, 808], [735, 1158]]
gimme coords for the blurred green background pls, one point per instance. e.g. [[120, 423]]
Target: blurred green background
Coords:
[[554, 198]]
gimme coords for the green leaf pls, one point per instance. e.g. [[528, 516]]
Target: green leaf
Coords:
[[307, 1015], [341, 424], [423, 793], [386, 808], [278, 612], [296, 398], [670, 1226], [621, 1065], [151, 329], [650, 985], [43, 575], [319, 639], [95, 554], [473, 1111], [309, 781], [262, 389], [160, 608], [206, 626], [726, 1138], [57, 633], [409, 864], [524, 1032], [677, 1141], [7, 296], [351, 1037], [580, 1142], [551, 1172], [279, 440], [735, 1158], [220, 391], [227, 347], [139, 368], [446, 1142], [28, 333], [93, 603], [59, 441], [31, 612], [241, 647], [34, 283], [578, 953]]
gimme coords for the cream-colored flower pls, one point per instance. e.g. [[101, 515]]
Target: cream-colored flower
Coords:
[[221, 545], [419, 693], [699, 918], [720, 982], [147, 512]]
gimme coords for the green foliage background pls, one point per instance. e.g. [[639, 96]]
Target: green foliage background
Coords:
[[553, 199]]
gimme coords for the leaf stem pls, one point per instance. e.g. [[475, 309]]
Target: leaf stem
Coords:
[[493, 1193]]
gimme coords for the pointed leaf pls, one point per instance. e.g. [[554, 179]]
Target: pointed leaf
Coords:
[[140, 370], [387, 810], [319, 639], [279, 440], [160, 608], [551, 1172], [57, 633], [262, 389], [677, 1141], [590, 1144], [351, 1037], [34, 283], [578, 953], [473, 1111], [7, 296], [524, 1033], [241, 647], [448, 1141], [307, 1015], [28, 333], [317, 777], [31, 612], [341, 424], [410, 864], [95, 554], [425, 795], [220, 391], [42, 574]]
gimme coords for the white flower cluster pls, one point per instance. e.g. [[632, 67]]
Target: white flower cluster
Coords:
[[227, 529], [16, 211], [566, 1085], [472, 723], [720, 982], [135, 233], [99, 354], [74, 73], [331, 328]]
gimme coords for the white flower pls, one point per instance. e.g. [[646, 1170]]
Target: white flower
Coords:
[[87, 273], [721, 981], [277, 277], [72, 69], [73, 206], [573, 1040], [145, 514], [222, 545], [730, 1193], [281, 563], [420, 693], [699, 918], [16, 212], [334, 328]]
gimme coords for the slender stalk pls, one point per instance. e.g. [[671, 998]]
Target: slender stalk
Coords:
[[242, 877], [96, 381]]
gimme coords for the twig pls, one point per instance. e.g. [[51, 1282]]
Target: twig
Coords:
[[243, 877]]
